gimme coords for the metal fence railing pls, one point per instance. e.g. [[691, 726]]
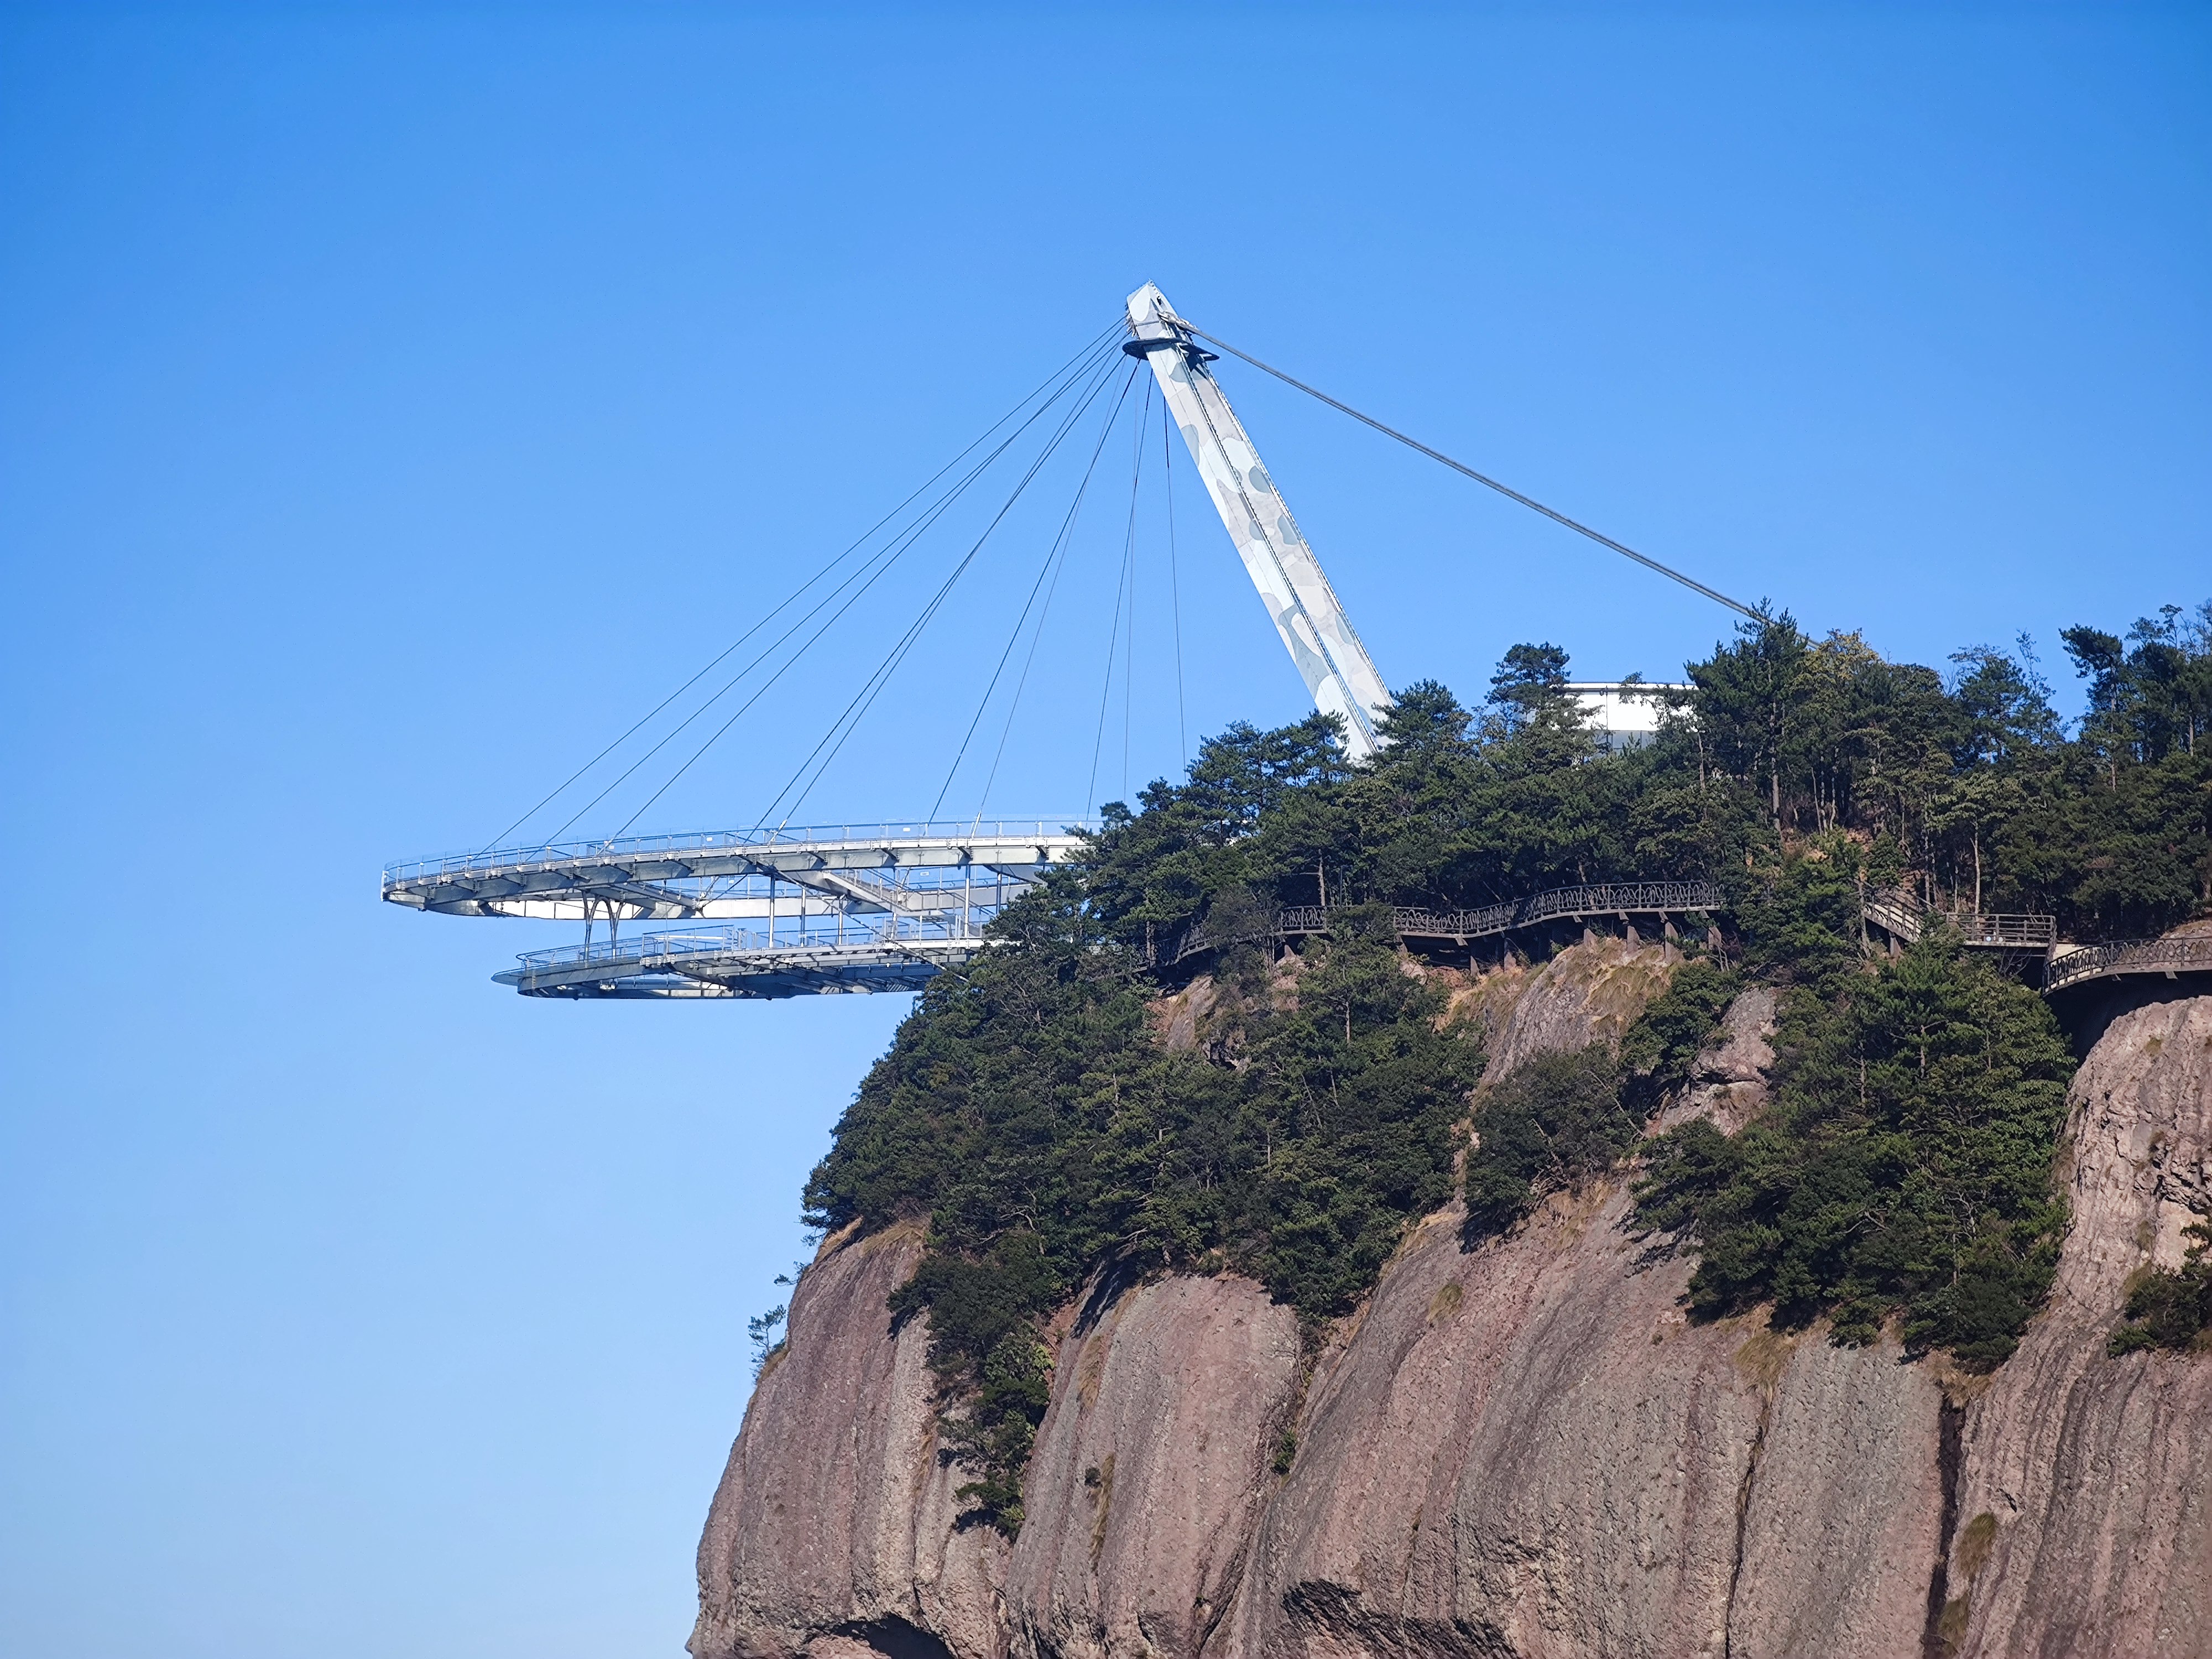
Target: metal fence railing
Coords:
[[522, 859], [1601, 898], [2007, 931], [1901, 914], [2129, 955], [648, 950]]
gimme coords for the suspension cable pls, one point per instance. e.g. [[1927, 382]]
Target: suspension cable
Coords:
[[1175, 576], [1130, 649], [864, 699], [1013, 706], [853, 586], [1097, 373], [1487, 482], [1088, 349], [1106, 689], [1006, 729], [1053, 553]]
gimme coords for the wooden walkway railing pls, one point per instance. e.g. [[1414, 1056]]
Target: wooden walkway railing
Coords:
[[1615, 898], [1895, 911], [1902, 915]]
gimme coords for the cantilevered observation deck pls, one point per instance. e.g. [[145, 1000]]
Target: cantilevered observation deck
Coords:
[[885, 906], [877, 907], [817, 957], [915, 870]]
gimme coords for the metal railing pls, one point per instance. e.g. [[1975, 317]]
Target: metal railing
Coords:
[[2007, 931], [1901, 914], [1893, 910], [1611, 898], [1602, 898], [2129, 955], [554, 855], [649, 950]]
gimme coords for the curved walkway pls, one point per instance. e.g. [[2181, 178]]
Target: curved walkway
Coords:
[[1614, 898], [2169, 958]]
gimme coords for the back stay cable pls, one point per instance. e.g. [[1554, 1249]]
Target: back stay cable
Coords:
[[1484, 479]]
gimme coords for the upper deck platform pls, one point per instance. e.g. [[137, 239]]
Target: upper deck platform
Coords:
[[911, 869]]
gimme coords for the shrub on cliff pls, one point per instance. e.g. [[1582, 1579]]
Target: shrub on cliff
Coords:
[[1556, 1120], [1904, 1167], [2172, 1309], [1657, 1051]]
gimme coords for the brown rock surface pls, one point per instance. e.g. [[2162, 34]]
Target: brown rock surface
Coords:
[[1728, 1080], [1149, 1469], [1522, 1448], [2096, 1474], [835, 1521], [1176, 1018], [1585, 992], [1525, 1449]]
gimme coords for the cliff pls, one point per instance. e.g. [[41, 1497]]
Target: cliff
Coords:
[[1522, 1448], [2085, 1495]]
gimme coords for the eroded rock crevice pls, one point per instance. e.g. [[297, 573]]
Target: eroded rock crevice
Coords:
[[1939, 1640], [1751, 1468]]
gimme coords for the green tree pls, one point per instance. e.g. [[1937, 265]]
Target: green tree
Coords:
[[1905, 1168], [1747, 696]]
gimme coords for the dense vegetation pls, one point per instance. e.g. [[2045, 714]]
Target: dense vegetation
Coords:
[[1030, 1111], [1904, 1167]]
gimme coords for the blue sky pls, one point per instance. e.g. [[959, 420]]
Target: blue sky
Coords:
[[396, 402]]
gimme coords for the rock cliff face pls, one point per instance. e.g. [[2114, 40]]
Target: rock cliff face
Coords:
[[2085, 1501], [1522, 1448], [1151, 1469], [834, 1524]]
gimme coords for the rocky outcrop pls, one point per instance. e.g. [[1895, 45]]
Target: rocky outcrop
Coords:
[[1585, 993], [1524, 1448], [2085, 1500], [836, 1523], [1151, 1469], [1728, 1080]]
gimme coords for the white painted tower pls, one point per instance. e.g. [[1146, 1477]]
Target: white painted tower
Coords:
[[1314, 628]]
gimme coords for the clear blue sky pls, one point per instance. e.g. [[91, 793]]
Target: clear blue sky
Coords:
[[396, 401]]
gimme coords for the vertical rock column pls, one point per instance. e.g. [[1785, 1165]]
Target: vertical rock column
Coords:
[[834, 1530], [2085, 1500], [1150, 1471]]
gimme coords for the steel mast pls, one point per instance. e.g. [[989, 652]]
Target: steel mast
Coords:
[[1315, 630]]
